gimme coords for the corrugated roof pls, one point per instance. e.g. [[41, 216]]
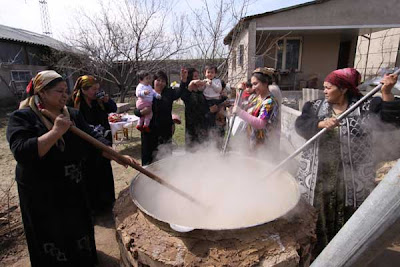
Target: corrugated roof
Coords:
[[24, 36]]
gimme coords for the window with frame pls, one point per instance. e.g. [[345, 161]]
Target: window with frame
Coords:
[[241, 55], [397, 64], [259, 61], [21, 75], [234, 60], [20, 79], [288, 54]]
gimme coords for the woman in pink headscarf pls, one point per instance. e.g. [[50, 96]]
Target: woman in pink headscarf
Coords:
[[336, 172]]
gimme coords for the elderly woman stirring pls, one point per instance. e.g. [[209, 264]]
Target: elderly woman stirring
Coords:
[[337, 172], [262, 112], [56, 219]]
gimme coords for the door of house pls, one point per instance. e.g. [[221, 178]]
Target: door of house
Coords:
[[344, 54]]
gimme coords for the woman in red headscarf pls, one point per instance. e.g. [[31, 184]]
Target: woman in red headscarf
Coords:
[[336, 172]]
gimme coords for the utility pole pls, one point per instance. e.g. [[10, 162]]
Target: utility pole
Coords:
[[44, 13]]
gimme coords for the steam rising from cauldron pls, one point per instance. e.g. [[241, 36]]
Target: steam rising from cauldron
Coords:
[[235, 189], [239, 191]]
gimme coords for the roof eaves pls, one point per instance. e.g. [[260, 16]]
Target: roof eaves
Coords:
[[228, 37], [21, 41], [28, 37]]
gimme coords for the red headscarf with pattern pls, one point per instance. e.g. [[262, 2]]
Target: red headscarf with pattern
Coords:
[[348, 78]]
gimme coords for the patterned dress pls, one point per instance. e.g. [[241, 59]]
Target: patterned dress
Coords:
[[54, 208], [336, 173], [97, 169], [266, 109]]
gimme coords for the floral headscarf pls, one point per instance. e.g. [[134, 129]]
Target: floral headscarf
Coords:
[[37, 84], [265, 71], [82, 83]]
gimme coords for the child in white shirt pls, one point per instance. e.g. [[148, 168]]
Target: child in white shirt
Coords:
[[213, 87], [213, 93]]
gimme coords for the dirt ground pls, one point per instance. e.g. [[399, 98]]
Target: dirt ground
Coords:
[[13, 249]]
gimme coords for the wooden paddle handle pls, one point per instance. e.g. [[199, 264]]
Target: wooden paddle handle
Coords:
[[96, 143]]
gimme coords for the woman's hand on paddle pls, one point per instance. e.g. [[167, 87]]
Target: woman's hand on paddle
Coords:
[[61, 125], [236, 109], [126, 161], [242, 86], [388, 81], [329, 123]]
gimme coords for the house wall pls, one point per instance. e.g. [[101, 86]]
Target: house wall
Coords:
[[237, 73], [8, 90], [383, 52], [320, 52], [251, 50], [20, 53], [18, 57], [321, 48], [319, 57], [290, 140], [11, 92], [354, 12]]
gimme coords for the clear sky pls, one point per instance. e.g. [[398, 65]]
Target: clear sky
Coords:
[[25, 14]]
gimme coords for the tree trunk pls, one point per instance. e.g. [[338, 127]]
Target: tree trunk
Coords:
[[123, 90]]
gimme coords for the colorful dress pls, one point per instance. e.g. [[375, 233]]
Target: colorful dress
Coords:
[[266, 109]]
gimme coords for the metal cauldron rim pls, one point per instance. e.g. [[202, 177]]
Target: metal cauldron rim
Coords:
[[205, 228]]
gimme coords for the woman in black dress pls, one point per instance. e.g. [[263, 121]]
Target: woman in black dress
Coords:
[[196, 108], [160, 134], [97, 169], [54, 209]]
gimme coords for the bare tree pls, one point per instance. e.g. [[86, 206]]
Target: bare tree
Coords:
[[208, 26], [127, 36], [131, 35]]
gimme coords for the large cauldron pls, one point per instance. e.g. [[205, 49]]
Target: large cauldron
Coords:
[[236, 192]]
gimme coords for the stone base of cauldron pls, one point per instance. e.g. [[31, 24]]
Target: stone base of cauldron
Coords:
[[145, 241]]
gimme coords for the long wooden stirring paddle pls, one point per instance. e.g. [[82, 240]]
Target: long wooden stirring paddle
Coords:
[[232, 121], [93, 141], [322, 131]]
